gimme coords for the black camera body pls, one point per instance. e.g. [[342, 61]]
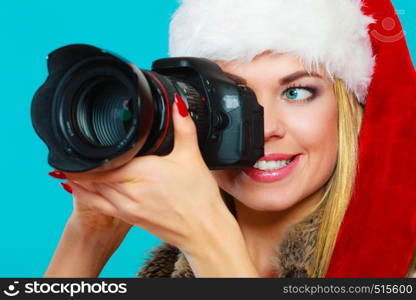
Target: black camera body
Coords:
[[235, 136], [96, 109]]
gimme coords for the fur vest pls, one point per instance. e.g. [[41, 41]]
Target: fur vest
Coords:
[[291, 257]]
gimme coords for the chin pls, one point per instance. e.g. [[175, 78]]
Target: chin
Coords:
[[262, 202]]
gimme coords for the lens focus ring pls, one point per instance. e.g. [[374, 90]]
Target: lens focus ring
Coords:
[[196, 107], [103, 112]]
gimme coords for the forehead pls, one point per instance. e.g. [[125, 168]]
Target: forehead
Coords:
[[268, 64]]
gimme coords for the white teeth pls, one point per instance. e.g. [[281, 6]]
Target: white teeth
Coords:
[[271, 164]]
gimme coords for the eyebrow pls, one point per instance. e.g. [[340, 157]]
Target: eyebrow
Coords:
[[299, 74], [283, 81]]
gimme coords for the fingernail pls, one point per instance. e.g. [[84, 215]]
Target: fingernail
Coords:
[[183, 110], [66, 187], [57, 174]]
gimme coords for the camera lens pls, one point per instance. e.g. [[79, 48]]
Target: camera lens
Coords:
[[103, 113]]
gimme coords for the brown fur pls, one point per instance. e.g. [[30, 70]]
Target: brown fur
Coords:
[[292, 257], [294, 254], [161, 262]]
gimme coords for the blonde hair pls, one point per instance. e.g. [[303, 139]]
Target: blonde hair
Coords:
[[338, 190]]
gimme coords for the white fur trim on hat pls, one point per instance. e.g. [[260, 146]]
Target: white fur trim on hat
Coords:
[[332, 33]]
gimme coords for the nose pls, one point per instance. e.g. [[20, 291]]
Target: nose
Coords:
[[274, 126]]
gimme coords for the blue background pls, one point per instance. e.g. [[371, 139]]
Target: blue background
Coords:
[[34, 206]]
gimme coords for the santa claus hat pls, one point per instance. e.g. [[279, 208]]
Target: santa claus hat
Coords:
[[378, 235], [320, 32]]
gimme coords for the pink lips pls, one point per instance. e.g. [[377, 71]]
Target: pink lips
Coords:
[[270, 176]]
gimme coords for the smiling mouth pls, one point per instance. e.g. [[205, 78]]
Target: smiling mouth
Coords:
[[273, 165]]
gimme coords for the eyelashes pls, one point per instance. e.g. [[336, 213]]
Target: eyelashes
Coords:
[[298, 93]]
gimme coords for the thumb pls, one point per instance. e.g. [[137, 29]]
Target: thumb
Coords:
[[185, 134]]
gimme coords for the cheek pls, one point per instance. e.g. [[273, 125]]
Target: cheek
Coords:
[[319, 136], [316, 125], [316, 132]]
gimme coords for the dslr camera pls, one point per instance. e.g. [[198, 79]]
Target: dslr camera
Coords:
[[98, 111]]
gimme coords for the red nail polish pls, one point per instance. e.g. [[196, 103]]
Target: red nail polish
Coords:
[[57, 174], [66, 187], [183, 110]]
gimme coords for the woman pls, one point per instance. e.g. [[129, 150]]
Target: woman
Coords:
[[310, 70]]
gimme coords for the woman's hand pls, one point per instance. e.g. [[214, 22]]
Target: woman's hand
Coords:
[[89, 220], [174, 197]]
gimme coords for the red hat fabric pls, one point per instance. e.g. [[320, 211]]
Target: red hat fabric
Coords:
[[378, 235]]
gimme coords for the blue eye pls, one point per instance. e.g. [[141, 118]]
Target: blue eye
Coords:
[[298, 94]]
